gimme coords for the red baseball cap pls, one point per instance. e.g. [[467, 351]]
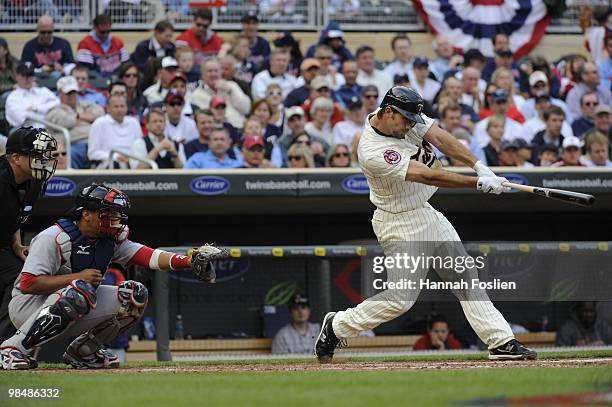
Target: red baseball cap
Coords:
[[216, 101], [179, 76], [251, 141]]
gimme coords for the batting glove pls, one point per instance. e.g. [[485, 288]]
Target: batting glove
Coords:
[[492, 185], [482, 170]]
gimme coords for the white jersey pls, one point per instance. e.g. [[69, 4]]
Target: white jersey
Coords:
[[384, 160]]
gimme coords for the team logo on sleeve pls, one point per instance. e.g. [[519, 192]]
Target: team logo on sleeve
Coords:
[[392, 156]]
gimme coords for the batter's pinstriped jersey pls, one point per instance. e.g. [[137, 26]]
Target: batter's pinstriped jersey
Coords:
[[384, 160]]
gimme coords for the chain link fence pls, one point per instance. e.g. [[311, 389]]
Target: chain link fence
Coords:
[[294, 15]]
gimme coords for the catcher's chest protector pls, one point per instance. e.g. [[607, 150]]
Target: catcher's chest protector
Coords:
[[82, 253]]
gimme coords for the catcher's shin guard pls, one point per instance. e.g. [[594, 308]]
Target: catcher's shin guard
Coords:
[[87, 350], [75, 301]]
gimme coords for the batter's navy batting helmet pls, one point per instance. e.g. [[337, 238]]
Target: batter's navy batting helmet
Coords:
[[405, 101]]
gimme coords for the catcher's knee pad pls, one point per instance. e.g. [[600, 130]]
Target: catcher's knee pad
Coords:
[[75, 301], [133, 297]]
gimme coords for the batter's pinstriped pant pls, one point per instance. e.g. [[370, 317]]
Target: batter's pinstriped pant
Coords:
[[420, 227]]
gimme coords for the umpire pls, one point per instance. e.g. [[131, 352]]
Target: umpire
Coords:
[[29, 163]]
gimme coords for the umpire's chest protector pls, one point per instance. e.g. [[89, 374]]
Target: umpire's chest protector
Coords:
[[79, 253]]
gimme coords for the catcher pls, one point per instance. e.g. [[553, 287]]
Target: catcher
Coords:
[[58, 292]]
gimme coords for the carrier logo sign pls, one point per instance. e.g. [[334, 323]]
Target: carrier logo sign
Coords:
[[60, 186], [515, 179], [356, 184], [210, 185]]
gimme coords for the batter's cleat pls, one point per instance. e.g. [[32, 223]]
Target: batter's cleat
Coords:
[[512, 350], [327, 341], [102, 359], [14, 359]]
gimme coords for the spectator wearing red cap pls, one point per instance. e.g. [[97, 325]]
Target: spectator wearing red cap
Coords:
[[254, 127], [253, 150], [158, 91], [156, 146], [200, 37], [213, 84], [179, 128], [101, 51], [178, 84], [218, 107]]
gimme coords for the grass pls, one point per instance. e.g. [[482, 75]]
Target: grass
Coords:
[[428, 387]]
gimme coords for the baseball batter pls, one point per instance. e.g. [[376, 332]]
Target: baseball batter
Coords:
[[58, 292], [395, 154]]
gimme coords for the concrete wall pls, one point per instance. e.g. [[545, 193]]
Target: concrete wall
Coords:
[[552, 46]]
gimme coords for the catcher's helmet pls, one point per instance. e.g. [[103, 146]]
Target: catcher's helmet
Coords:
[[111, 203], [405, 101], [39, 146]]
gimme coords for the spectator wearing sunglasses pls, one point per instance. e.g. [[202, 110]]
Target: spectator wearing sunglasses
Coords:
[[584, 123], [101, 51], [200, 37], [295, 126], [46, 52], [130, 76], [339, 156], [300, 156], [369, 97]]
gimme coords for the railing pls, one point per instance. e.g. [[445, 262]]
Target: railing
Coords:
[[110, 162], [64, 131], [304, 15]]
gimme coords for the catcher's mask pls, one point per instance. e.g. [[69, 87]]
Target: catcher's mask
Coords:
[[39, 146], [111, 204]]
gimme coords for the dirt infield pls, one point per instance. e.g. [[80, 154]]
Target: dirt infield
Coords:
[[340, 365]]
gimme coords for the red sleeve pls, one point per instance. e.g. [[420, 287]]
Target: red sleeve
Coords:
[[453, 343], [337, 115], [27, 280], [141, 258], [423, 343]]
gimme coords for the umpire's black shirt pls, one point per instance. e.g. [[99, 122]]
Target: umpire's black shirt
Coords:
[[11, 201]]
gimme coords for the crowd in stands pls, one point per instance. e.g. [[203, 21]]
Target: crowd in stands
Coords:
[[197, 101]]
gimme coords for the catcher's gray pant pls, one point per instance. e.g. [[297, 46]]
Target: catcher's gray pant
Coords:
[[24, 310], [421, 232]]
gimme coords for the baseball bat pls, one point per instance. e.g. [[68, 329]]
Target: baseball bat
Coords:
[[571, 197]]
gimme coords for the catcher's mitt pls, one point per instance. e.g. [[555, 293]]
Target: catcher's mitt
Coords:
[[201, 261]]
